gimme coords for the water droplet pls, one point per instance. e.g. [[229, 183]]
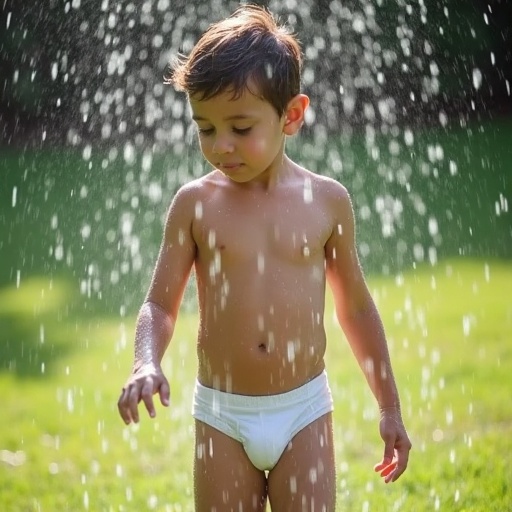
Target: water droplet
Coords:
[[449, 416], [261, 323], [261, 263], [152, 501], [487, 273], [70, 403], [200, 451], [290, 351], [199, 210], [293, 484], [477, 78], [211, 238], [408, 137], [308, 191], [433, 227], [55, 70], [467, 323], [437, 435]]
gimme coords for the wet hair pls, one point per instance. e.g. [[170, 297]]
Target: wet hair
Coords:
[[249, 50]]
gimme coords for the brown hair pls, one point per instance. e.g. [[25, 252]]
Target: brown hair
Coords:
[[248, 48]]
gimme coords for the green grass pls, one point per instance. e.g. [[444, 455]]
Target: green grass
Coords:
[[450, 334]]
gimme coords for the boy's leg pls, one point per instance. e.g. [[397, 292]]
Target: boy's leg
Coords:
[[224, 477], [304, 479]]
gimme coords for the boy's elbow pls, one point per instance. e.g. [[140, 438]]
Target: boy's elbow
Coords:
[[156, 311]]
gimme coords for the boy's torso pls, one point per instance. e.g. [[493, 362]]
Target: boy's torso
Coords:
[[261, 284]]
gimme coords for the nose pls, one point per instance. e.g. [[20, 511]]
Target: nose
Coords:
[[222, 145]]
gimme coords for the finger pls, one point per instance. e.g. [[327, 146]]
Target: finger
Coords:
[[165, 393], [146, 395], [384, 463], [381, 465], [122, 406], [390, 478], [387, 472], [402, 461], [133, 402], [387, 469], [389, 453]]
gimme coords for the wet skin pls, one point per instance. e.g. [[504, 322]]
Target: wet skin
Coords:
[[264, 236]]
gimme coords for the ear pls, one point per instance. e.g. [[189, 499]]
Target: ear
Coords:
[[294, 114]]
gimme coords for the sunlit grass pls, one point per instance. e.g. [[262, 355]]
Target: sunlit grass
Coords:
[[63, 446]]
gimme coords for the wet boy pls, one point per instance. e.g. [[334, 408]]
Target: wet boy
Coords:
[[264, 235]]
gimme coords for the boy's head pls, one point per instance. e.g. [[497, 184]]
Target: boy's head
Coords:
[[247, 51]]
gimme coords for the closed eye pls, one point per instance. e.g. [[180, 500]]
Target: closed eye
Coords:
[[241, 131], [236, 131]]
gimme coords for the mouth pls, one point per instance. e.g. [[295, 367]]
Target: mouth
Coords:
[[229, 167]]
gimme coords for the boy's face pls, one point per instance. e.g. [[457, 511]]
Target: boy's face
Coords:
[[243, 138]]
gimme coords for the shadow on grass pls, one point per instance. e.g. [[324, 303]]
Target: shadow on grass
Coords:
[[36, 330]]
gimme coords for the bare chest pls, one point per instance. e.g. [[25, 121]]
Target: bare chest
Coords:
[[282, 229]]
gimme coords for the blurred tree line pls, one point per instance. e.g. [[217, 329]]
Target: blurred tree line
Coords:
[[73, 70], [88, 74]]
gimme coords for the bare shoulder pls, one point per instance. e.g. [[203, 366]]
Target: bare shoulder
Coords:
[[191, 193], [327, 189]]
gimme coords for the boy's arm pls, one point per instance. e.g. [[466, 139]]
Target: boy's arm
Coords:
[[157, 316], [361, 323]]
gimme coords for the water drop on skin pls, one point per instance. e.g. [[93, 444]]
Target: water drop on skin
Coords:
[[199, 210], [271, 342], [261, 263], [211, 239], [290, 351], [308, 191], [293, 484], [305, 248], [217, 262], [200, 451]]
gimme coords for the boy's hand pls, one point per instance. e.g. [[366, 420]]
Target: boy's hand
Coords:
[[142, 385], [397, 445]]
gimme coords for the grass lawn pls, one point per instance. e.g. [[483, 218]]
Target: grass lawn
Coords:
[[64, 448]]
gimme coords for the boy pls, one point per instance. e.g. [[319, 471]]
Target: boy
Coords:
[[264, 235]]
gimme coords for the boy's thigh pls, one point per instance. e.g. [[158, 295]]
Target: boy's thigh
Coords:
[[224, 477], [304, 479]]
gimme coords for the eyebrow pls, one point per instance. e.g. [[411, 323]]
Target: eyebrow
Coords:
[[228, 118]]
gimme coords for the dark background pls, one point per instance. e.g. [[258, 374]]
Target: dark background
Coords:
[[79, 36], [411, 110]]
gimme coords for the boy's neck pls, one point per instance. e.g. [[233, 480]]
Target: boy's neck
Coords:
[[277, 174]]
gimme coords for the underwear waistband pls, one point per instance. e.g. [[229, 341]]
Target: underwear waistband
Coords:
[[312, 388]]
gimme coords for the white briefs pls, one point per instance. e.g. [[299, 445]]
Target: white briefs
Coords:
[[263, 424]]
